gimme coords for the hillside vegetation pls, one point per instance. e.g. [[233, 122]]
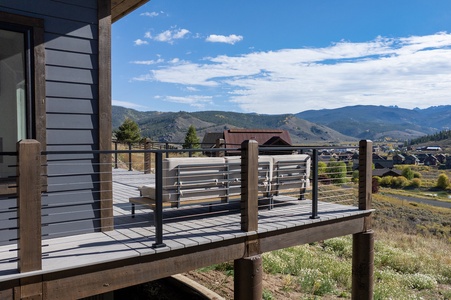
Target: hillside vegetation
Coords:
[[412, 260], [172, 126], [377, 123]]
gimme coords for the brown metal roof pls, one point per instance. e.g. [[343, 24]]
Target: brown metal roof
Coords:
[[120, 8], [234, 137]]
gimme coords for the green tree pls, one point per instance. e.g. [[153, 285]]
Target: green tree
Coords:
[[128, 132], [442, 181], [191, 139]]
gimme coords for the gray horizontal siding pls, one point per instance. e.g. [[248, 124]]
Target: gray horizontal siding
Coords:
[[68, 199], [72, 167], [71, 75], [84, 3], [67, 121], [71, 47], [71, 28], [71, 137], [70, 59], [72, 183], [54, 215], [70, 228], [75, 106], [48, 8], [71, 90], [70, 44]]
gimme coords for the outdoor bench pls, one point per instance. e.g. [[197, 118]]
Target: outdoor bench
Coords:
[[201, 180]]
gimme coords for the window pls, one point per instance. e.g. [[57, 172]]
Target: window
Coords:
[[21, 87]]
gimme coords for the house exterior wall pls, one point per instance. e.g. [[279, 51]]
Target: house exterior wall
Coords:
[[71, 101]]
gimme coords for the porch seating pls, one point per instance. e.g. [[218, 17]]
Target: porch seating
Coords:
[[200, 180]]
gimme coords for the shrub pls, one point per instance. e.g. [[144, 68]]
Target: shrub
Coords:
[[355, 176], [375, 185], [416, 183], [386, 181], [442, 181], [400, 182], [416, 175], [337, 171], [408, 173], [321, 167]]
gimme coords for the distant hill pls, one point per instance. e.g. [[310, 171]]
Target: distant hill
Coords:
[[172, 126], [379, 122], [326, 125]]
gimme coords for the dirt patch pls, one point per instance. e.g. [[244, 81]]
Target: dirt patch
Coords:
[[274, 286]]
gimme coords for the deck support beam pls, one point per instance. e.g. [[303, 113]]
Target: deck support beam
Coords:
[[248, 278], [363, 242], [248, 270], [104, 95], [362, 265]]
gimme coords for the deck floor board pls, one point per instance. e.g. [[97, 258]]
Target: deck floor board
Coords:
[[183, 227]]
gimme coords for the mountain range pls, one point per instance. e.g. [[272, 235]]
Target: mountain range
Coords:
[[326, 125]]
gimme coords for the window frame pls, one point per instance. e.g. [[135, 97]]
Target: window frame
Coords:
[[33, 29]]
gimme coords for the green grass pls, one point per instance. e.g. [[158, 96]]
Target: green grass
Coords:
[[412, 258]]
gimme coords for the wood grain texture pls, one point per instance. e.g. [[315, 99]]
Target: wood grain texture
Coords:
[[105, 126], [29, 205]]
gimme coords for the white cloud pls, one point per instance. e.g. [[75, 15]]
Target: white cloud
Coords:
[[408, 72], [140, 42], [150, 14], [193, 100], [170, 35], [129, 105], [231, 39], [147, 62]]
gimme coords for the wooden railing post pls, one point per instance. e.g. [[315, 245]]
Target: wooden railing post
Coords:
[[29, 205], [147, 156], [249, 185], [248, 270], [363, 242]]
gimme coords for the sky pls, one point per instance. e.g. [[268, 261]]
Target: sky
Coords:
[[277, 57]]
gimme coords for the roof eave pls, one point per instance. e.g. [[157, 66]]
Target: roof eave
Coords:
[[120, 8]]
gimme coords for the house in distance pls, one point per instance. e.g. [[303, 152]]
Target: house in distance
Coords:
[[232, 139]]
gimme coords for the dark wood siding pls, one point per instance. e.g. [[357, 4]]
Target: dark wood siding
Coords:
[[71, 63]]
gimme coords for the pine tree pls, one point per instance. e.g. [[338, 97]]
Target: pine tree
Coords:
[[128, 132], [191, 139]]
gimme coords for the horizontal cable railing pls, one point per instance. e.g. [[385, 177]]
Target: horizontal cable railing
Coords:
[[80, 196]]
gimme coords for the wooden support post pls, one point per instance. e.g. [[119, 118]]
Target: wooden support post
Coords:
[[105, 124], [363, 265], [363, 243], [147, 156], [29, 205], [248, 278], [249, 185]]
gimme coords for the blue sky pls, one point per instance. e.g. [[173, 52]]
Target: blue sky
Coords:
[[274, 57]]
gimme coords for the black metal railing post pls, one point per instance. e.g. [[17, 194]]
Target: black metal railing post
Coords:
[[167, 148], [130, 156], [315, 185], [158, 215], [115, 154]]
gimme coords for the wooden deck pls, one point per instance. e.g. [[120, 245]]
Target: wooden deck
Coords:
[[201, 232]]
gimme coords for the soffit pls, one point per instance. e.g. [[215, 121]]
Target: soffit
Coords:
[[120, 8]]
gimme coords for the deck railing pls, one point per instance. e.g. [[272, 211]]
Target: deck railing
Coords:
[[71, 200]]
